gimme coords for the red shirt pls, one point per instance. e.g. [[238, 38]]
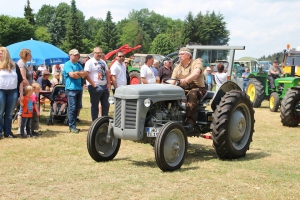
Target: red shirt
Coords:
[[27, 107]]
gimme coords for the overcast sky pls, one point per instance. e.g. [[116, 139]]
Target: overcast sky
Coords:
[[264, 27]]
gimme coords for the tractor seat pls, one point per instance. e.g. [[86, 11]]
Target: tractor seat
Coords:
[[209, 95]]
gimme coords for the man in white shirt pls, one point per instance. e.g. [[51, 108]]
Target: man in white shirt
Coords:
[[99, 73], [118, 71], [147, 75]]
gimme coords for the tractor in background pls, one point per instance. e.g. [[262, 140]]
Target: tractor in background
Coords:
[[259, 87]]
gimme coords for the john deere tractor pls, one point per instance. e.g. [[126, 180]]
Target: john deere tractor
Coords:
[[259, 87]]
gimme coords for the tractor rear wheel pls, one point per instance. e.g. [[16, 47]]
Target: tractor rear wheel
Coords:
[[233, 125], [170, 147], [290, 108], [255, 91], [134, 78], [274, 102]]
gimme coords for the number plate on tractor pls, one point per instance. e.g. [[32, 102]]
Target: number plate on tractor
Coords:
[[151, 132]]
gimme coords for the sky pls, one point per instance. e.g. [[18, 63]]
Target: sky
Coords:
[[264, 27]]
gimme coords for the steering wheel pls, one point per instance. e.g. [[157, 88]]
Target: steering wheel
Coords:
[[168, 81]]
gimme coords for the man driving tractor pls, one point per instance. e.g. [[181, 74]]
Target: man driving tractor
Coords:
[[191, 79], [274, 72]]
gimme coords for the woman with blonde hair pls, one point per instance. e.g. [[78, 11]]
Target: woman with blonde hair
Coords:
[[11, 83]]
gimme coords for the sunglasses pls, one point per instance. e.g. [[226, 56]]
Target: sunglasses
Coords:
[[121, 56], [126, 62]]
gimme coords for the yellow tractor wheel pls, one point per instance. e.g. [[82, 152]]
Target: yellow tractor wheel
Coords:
[[255, 91], [274, 102]]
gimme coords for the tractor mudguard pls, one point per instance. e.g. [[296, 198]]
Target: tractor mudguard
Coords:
[[226, 87]]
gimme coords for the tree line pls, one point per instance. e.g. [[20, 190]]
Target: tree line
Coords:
[[65, 26]]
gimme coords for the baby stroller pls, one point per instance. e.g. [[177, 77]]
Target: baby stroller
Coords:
[[55, 114]]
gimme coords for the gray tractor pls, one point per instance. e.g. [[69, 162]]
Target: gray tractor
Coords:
[[155, 114]]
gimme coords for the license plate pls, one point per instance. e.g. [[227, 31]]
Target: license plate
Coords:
[[151, 132]]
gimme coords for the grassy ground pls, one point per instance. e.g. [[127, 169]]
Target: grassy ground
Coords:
[[56, 165]]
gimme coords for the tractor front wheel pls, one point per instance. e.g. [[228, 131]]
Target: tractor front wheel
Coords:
[[290, 108], [274, 102], [170, 147], [255, 90], [99, 146], [233, 125]]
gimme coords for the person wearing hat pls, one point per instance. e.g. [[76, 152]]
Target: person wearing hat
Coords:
[[147, 75], [191, 79], [209, 78], [165, 72], [44, 80], [274, 72], [73, 74]]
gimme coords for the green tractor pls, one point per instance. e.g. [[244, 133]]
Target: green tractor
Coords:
[[259, 87]]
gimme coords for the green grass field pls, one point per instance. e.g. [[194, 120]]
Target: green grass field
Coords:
[[56, 165]]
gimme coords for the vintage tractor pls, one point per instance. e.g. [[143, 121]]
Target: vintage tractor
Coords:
[[259, 87], [155, 114]]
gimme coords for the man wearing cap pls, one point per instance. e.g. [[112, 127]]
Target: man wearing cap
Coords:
[[99, 73], [73, 74], [44, 80], [191, 79], [209, 78], [118, 71], [165, 72], [147, 75], [274, 72], [45, 83]]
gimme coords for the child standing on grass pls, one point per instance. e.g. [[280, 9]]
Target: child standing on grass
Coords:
[[27, 110], [36, 109]]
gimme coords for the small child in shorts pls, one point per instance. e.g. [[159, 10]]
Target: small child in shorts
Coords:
[[60, 100], [36, 109]]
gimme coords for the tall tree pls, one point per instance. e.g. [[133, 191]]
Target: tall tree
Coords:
[[44, 15], [107, 35], [74, 34], [14, 29], [162, 44], [189, 29], [42, 34], [28, 13], [55, 31], [62, 13], [91, 27]]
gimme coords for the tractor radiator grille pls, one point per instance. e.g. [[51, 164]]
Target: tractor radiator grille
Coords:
[[130, 114], [118, 113]]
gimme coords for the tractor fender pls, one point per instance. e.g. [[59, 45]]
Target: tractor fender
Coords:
[[226, 87], [296, 87]]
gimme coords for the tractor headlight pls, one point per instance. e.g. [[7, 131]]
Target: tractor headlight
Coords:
[[111, 100], [148, 103]]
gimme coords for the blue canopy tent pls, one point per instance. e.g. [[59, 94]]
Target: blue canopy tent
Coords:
[[42, 52]]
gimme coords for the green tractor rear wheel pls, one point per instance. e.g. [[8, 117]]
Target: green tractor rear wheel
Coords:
[[255, 91], [274, 102], [290, 108]]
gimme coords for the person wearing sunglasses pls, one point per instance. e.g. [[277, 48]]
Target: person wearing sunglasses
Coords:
[[118, 71]]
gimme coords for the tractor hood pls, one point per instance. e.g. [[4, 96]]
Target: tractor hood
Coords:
[[154, 91]]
